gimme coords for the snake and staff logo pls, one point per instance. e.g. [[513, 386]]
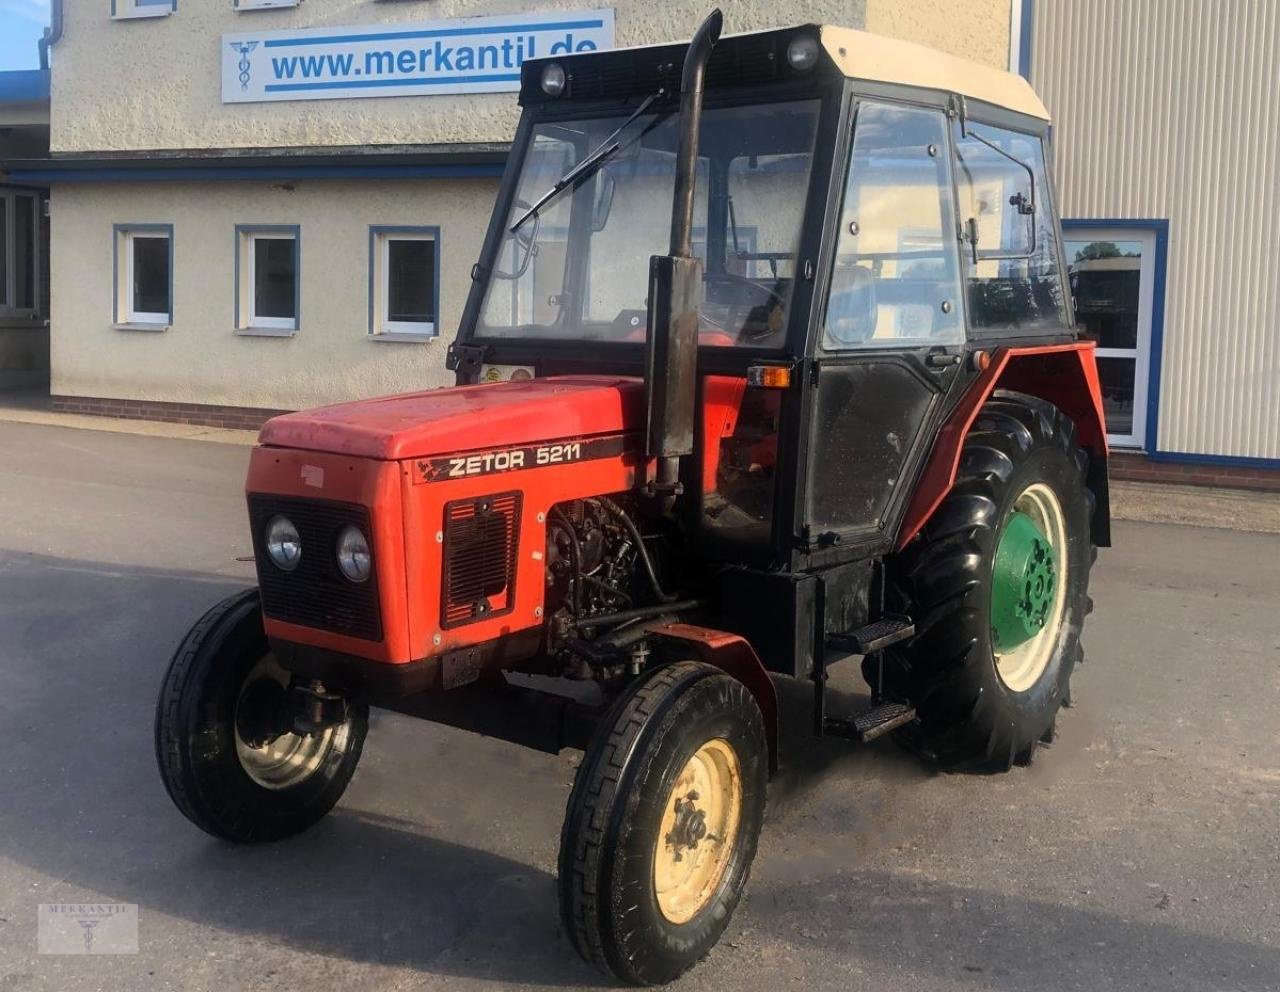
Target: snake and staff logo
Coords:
[[245, 67], [87, 928]]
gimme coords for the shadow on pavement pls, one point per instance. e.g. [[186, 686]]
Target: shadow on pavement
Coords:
[[84, 647]]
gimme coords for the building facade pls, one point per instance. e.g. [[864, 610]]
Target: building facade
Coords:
[[260, 205], [244, 250]]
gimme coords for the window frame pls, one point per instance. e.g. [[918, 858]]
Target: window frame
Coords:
[[1009, 121], [247, 322], [124, 317], [9, 237], [840, 187], [381, 327], [129, 10], [263, 4]]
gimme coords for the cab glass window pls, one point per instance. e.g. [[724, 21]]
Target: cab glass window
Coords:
[[1013, 280], [896, 280]]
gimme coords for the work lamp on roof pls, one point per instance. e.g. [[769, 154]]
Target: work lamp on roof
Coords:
[[553, 79], [802, 52]]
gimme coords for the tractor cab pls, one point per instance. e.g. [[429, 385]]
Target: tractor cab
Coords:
[[864, 215]]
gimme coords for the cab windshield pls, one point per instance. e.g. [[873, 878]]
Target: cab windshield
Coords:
[[578, 268]]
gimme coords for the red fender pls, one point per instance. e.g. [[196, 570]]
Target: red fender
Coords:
[[1064, 374], [736, 657]]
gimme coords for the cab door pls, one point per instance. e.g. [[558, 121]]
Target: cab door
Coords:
[[892, 331]]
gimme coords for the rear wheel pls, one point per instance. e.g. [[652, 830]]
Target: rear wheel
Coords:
[[227, 754], [662, 823], [998, 585]]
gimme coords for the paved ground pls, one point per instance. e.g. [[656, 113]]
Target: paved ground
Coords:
[[1141, 852]]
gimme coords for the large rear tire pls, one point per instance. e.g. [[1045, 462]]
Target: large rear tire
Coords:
[[662, 823], [997, 583], [224, 773]]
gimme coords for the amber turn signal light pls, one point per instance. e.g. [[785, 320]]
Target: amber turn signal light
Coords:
[[769, 376]]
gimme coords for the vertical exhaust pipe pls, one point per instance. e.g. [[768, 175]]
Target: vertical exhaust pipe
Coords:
[[675, 290]]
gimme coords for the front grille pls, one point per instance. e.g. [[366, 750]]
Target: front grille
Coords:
[[315, 594], [481, 536]]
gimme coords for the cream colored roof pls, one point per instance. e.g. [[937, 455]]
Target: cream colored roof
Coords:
[[886, 60]]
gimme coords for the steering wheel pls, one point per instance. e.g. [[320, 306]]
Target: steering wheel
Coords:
[[764, 297]]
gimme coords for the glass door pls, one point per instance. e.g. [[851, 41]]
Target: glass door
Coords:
[[1113, 283]]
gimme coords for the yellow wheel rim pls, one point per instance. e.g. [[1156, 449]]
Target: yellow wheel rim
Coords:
[[698, 832]]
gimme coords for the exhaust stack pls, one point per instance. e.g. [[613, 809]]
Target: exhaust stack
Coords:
[[675, 289]]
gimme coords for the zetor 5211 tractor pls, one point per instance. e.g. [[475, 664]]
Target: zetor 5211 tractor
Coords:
[[768, 362]]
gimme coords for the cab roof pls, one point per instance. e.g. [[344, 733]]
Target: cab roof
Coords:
[[873, 57], [759, 57]]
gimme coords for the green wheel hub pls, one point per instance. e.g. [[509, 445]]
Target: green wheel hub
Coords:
[[1023, 583]]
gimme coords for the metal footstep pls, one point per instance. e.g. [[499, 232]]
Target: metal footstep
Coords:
[[872, 723], [874, 636]]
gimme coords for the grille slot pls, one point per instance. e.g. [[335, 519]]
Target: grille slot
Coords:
[[481, 537], [315, 594]]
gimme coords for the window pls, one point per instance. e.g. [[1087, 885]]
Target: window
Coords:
[[1114, 274], [144, 276], [404, 281], [896, 280], [267, 280], [19, 252], [125, 9], [1011, 249]]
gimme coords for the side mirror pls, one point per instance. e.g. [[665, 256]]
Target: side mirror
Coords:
[[606, 186]]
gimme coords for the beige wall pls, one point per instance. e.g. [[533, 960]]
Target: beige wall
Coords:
[[200, 359], [155, 83]]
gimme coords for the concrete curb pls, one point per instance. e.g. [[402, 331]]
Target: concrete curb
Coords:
[[118, 425]]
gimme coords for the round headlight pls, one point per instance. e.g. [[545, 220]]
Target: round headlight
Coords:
[[284, 547], [354, 558], [553, 79], [802, 53]]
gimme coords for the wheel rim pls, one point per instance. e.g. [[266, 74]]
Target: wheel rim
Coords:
[[698, 832], [1029, 587], [289, 758]]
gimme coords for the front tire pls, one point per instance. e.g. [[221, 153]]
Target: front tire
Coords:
[[226, 778], [662, 823], [998, 585]]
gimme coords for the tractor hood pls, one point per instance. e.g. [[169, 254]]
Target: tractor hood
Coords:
[[465, 418]]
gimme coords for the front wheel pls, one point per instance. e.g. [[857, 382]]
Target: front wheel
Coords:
[[662, 823], [225, 755], [998, 586]]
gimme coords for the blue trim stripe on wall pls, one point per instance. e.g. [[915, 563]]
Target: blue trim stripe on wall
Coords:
[[172, 173], [1025, 36]]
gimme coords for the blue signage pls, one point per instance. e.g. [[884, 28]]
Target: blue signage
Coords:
[[469, 55]]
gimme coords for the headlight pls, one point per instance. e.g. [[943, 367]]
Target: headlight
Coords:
[[284, 547], [553, 79], [802, 53], [354, 558]]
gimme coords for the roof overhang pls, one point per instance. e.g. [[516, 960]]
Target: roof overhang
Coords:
[[266, 164], [860, 55], [24, 97]]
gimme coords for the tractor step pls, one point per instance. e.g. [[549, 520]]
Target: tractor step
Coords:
[[874, 636], [872, 723]]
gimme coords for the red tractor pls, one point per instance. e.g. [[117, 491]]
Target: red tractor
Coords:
[[842, 411]]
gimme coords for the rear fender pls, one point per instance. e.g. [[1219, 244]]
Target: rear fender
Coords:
[[735, 657], [1065, 375]]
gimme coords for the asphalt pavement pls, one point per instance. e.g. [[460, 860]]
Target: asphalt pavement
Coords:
[[1142, 851]]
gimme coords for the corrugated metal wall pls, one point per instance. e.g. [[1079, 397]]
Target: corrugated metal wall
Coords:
[[1171, 109]]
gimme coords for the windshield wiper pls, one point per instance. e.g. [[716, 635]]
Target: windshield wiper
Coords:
[[588, 166]]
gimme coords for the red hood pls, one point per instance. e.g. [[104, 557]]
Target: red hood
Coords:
[[465, 418]]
